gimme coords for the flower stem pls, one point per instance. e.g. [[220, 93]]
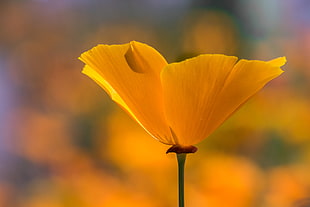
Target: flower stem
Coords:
[[181, 162], [181, 152]]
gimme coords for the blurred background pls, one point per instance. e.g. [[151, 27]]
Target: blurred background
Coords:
[[64, 143]]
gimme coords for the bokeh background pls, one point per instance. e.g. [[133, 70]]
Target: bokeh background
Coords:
[[64, 143]]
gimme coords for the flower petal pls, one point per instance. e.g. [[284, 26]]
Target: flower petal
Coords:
[[87, 70], [190, 88], [204, 91], [246, 79], [278, 62], [129, 73]]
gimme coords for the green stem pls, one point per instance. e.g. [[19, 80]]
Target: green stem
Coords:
[[181, 162]]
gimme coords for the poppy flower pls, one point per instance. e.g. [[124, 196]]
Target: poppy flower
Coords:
[[181, 103]]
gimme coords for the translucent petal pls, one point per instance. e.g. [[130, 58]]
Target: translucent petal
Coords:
[[107, 87], [202, 92], [130, 75], [245, 80], [278, 62], [190, 89]]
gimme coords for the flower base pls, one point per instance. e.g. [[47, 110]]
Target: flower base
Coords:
[[182, 149]]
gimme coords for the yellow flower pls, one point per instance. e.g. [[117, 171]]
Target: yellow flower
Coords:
[[180, 103]]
